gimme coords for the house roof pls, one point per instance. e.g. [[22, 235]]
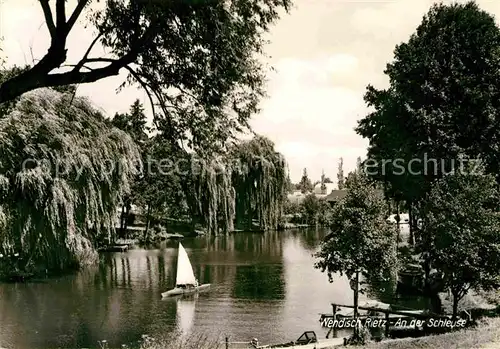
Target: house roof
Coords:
[[336, 195], [329, 187]]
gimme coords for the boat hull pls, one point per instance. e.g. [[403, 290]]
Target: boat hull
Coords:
[[180, 291]]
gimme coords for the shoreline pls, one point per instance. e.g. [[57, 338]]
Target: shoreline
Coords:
[[485, 335]]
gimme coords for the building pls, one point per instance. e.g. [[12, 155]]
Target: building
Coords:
[[338, 194], [329, 187], [296, 197], [404, 218]]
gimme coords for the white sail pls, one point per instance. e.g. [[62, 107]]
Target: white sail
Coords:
[[185, 274]]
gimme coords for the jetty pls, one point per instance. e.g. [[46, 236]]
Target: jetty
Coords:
[[388, 316]]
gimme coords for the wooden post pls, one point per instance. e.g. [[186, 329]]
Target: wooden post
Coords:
[[227, 342], [387, 325], [334, 312], [334, 318]]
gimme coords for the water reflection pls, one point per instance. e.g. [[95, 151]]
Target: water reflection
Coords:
[[186, 307], [259, 282], [263, 285]]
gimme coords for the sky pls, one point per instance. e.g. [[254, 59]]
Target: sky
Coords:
[[324, 54]]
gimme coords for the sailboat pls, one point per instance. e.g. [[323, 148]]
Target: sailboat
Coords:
[[186, 282]]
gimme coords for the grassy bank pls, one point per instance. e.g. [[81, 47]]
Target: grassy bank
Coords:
[[486, 335]]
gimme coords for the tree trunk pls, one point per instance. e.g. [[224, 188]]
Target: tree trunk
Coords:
[[455, 305], [398, 222], [427, 273], [127, 214], [122, 221], [250, 218], [193, 223], [148, 219], [411, 240], [356, 300]]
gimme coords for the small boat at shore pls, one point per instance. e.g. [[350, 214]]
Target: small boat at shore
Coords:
[[308, 340], [186, 282]]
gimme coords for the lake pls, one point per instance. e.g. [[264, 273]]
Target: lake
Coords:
[[263, 286]]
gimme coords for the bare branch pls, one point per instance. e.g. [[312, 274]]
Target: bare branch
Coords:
[[100, 59], [85, 56], [144, 86], [76, 13], [49, 20], [77, 65]]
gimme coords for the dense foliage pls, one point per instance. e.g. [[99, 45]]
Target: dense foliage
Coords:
[[442, 103], [63, 170], [461, 233], [361, 243], [429, 130], [361, 240], [245, 185]]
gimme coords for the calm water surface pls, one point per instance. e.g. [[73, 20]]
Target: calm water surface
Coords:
[[263, 285]]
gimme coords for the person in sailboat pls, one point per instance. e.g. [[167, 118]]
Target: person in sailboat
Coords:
[[196, 284]]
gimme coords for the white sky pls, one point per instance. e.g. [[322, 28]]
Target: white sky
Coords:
[[325, 53]]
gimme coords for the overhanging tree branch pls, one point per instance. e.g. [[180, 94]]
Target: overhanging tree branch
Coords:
[[38, 76]]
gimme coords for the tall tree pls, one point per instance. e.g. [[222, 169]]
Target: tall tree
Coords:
[[62, 174], [134, 123], [361, 242], [442, 103], [310, 208], [463, 232], [323, 185], [340, 175], [259, 178], [305, 184], [198, 61]]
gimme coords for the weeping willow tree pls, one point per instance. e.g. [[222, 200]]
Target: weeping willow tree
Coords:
[[63, 170], [211, 195], [248, 182], [259, 178]]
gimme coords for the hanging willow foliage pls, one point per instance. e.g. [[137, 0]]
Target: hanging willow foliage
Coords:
[[248, 182], [63, 169], [260, 181], [213, 194]]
